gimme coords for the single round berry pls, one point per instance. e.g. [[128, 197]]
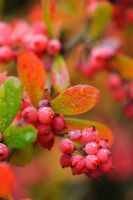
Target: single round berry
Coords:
[[3, 152], [54, 47], [91, 148], [103, 155], [45, 115], [89, 135], [43, 129], [114, 81], [106, 167], [103, 144], [74, 135], [58, 123], [78, 161], [66, 146], [66, 160], [30, 115], [91, 161], [47, 145]]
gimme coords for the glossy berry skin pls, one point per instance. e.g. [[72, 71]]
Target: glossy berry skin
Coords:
[[43, 129], [91, 162], [66, 146], [89, 135], [3, 152], [74, 135], [30, 115], [54, 47], [78, 161], [66, 160], [91, 148], [103, 155], [106, 167], [45, 115], [58, 123]]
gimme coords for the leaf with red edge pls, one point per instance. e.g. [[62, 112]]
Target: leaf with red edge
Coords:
[[32, 75], [104, 131], [123, 64], [59, 75], [7, 180], [75, 100]]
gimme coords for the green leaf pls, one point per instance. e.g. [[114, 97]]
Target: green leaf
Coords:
[[10, 100], [101, 17], [75, 100], [59, 75], [19, 137], [123, 64], [104, 131], [22, 157]]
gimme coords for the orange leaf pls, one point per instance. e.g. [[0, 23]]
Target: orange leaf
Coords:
[[32, 75], [7, 180], [75, 100], [104, 131]]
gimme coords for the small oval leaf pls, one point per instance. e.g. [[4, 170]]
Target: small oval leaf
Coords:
[[75, 100], [104, 131], [32, 75], [19, 137], [59, 75], [10, 100], [101, 17], [123, 64]]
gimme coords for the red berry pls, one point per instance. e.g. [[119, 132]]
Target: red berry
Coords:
[[58, 123], [106, 167], [66, 160], [47, 145], [46, 138], [40, 43], [89, 135], [30, 115], [6, 54], [103, 144], [95, 174], [74, 135], [76, 171], [78, 161], [103, 155], [3, 152], [91, 148], [91, 161], [114, 81], [66, 146], [43, 129], [45, 115], [54, 47]]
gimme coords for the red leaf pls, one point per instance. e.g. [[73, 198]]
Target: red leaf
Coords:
[[75, 100], [32, 75]]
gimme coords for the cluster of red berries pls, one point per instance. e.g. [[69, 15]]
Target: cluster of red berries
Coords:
[[19, 36], [91, 157], [122, 91], [98, 57], [47, 123]]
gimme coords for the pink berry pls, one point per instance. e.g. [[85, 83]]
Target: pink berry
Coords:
[[95, 174], [103, 144], [6, 54], [30, 115], [114, 81], [66, 146], [43, 129], [91, 161], [54, 47], [3, 152], [74, 135], [39, 28], [58, 123], [91, 148], [45, 115], [103, 155], [40, 43], [89, 135], [66, 160], [78, 161], [106, 167]]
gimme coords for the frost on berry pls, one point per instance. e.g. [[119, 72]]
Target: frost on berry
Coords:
[[66, 146], [89, 135], [103, 155], [45, 115], [78, 161], [91, 148], [91, 161], [74, 135]]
